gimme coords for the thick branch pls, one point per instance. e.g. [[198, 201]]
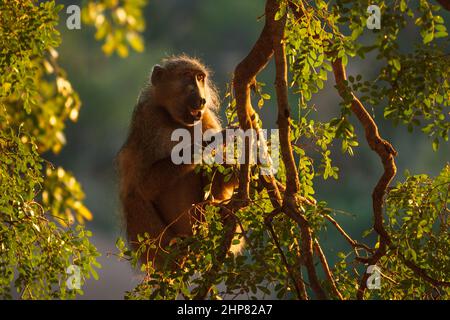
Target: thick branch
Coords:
[[290, 203], [290, 207], [244, 78], [292, 181]]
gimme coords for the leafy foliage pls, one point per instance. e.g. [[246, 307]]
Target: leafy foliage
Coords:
[[411, 88], [118, 22], [38, 202], [418, 211], [35, 250], [417, 220]]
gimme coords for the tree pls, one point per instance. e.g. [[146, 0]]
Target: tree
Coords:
[[279, 217], [42, 252]]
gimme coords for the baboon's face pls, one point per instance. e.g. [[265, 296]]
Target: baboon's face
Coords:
[[183, 91]]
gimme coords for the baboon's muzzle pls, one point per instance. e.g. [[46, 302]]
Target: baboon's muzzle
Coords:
[[196, 105]]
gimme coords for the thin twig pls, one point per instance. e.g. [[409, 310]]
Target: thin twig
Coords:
[[326, 269], [299, 285], [352, 242]]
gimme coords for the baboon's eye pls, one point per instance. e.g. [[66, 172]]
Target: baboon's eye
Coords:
[[200, 77]]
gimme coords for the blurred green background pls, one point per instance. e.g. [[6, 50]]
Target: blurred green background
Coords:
[[221, 33]]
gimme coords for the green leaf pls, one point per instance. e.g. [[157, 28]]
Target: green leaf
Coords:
[[428, 37], [260, 103], [135, 41], [236, 242], [435, 144], [396, 64]]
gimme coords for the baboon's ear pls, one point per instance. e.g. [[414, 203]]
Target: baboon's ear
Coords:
[[157, 74]]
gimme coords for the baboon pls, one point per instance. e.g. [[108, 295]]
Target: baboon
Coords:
[[157, 194]]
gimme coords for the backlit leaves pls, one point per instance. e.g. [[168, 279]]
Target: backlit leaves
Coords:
[[118, 23], [37, 201]]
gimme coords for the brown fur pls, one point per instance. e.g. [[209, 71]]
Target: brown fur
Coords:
[[156, 194]]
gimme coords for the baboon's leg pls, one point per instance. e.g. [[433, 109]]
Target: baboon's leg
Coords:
[[141, 217]]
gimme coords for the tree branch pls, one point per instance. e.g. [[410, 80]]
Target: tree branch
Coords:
[[290, 207], [326, 269], [290, 203], [244, 79], [386, 153], [352, 242], [299, 285]]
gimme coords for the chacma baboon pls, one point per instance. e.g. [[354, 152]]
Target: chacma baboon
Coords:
[[157, 194]]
